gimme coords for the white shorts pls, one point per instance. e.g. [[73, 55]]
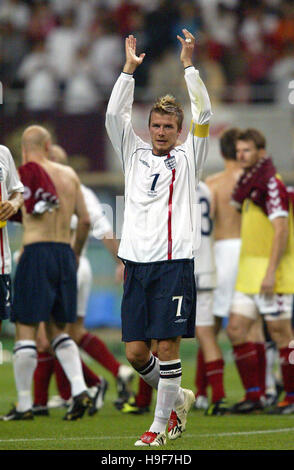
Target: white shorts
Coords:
[[204, 314], [250, 305], [226, 254], [84, 285]]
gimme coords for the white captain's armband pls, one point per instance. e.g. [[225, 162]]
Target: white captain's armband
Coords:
[[199, 130]]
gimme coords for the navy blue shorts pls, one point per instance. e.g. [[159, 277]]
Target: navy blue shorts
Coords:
[[159, 300], [5, 296], [45, 284]]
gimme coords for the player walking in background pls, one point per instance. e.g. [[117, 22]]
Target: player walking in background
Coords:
[[45, 279], [265, 282], [227, 222], [90, 343], [11, 200], [205, 272], [158, 234]]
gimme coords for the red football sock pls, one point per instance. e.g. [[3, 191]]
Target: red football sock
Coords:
[[260, 349], [215, 377], [99, 351], [42, 376], [91, 378], [247, 364], [62, 381], [200, 378], [144, 395], [287, 369]]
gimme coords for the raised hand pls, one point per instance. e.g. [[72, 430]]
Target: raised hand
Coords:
[[132, 60], [188, 43]]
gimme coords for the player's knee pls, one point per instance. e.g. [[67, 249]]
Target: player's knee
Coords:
[[204, 332], [43, 345], [235, 331], [280, 333], [136, 357], [76, 333], [168, 349]]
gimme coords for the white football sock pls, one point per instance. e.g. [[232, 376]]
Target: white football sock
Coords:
[[68, 355], [271, 357], [24, 364], [150, 372], [168, 389]]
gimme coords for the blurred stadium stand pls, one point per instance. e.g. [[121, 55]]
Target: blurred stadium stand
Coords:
[[60, 58]]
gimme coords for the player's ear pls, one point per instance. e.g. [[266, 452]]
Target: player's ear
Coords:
[[47, 146]]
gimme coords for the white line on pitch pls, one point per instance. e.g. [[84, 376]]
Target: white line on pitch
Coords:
[[100, 438]]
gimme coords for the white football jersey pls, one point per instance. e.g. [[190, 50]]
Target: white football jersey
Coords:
[[160, 195], [9, 184], [100, 225], [205, 268]]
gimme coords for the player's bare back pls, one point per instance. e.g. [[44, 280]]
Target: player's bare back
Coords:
[[227, 220], [54, 226]]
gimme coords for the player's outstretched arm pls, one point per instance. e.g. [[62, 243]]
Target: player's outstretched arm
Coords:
[[84, 223], [132, 60], [200, 102], [197, 139], [119, 110]]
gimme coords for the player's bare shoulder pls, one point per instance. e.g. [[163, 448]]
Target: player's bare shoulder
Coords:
[[64, 177], [215, 182], [214, 179]]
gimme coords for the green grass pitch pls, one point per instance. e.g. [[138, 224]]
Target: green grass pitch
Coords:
[[111, 430]]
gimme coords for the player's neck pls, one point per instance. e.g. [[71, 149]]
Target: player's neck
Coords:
[[37, 158], [231, 165]]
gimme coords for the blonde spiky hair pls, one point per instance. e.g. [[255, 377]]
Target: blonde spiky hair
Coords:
[[168, 105]]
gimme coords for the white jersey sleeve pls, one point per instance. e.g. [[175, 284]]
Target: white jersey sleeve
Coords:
[[100, 225], [118, 119], [205, 268], [9, 184], [197, 139], [12, 183]]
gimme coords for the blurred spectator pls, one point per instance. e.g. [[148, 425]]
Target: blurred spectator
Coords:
[[282, 73], [255, 32], [61, 7], [80, 94], [16, 13], [106, 55], [285, 29], [123, 15], [243, 41], [13, 48], [63, 43], [257, 26], [42, 21], [189, 17], [85, 10], [39, 77], [221, 25], [159, 25]]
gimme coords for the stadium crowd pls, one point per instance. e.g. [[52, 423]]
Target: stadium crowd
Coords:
[[70, 51]]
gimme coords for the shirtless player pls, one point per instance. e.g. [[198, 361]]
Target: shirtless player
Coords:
[[45, 280]]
